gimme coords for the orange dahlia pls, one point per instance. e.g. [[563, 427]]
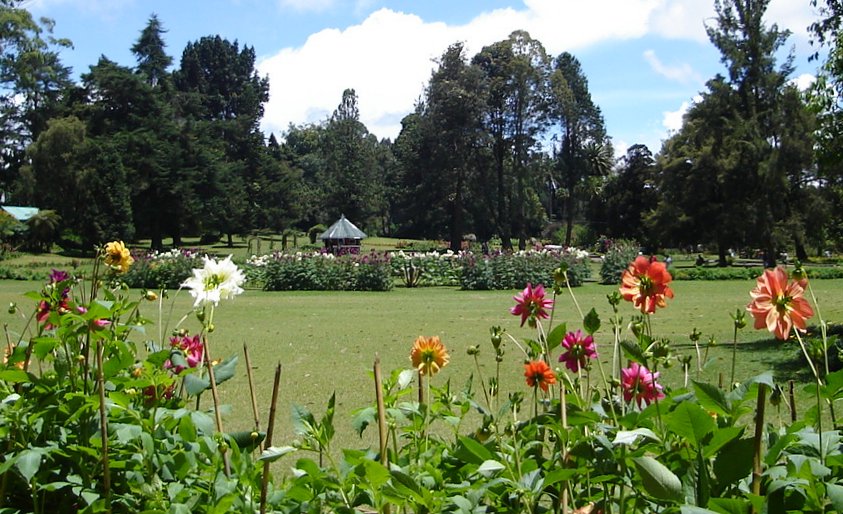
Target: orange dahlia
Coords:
[[429, 355], [645, 284], [539, 374], [778, 304]]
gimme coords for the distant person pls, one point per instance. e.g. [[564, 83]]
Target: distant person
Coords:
[[668, 260], [700, 260]]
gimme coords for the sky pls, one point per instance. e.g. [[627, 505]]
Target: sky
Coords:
[[645, 60]]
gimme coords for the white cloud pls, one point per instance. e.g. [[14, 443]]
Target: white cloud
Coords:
[[388, 57], [672, 120], [682, 73], [804, 81]]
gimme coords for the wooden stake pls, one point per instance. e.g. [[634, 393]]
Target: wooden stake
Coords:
[[759, 439], [792, 402], [269, 430], [215, 396], [252, 389]]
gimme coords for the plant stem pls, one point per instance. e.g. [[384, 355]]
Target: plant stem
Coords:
[[106, 470], [734, 356], [383, 435]]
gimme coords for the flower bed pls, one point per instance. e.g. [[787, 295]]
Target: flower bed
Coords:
[[89, 423], [324, 272], [514, 270]]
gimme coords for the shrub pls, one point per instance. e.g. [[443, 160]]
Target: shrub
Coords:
[[323, 272], [616, 260], [167, 270], [427, 268], [314, 231], [515, 270]]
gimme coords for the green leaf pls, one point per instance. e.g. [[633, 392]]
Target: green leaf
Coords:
[[691, 509], [591, 322], [247, 439], [835, 494], [376, 473], [274, 453], [362, 419], [43, 345], [729, 505], [712, 398], [405, 378], [631, 436], [14, 376], [470, 450], [659, 481], [195, 384], [691, 422], [555, 337], [28, 462], [489, 468], [733, 463]]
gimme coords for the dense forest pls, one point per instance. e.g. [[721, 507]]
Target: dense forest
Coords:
[[506, 144]]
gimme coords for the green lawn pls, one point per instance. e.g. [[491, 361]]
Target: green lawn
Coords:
[[327, 342]]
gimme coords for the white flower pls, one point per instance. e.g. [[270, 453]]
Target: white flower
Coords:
[[218, 280]]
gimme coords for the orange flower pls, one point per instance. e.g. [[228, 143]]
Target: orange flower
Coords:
[[778, 304], [539, 374], [429, 355], [645, 284], [118, 256]]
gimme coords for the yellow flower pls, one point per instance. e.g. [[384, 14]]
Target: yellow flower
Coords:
[[118, 256], [429, 355]]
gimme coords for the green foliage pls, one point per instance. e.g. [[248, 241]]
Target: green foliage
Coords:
[[154, 270], [325, 272], [514, 271], [617, 259]]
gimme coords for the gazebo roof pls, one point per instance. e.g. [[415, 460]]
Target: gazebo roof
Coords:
[[20, 213], [343, 229]]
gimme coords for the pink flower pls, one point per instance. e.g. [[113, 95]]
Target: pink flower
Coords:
[[100, 323], [639, 384], [531, 304], [778, 304], [192, 349], [578, 350]]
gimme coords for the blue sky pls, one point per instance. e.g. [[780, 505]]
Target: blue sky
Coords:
[[646, 60]]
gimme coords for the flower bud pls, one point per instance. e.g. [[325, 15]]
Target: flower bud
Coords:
[[13, 307]]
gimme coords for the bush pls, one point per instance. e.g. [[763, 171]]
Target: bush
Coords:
[[323, 272], [515, 270], [616, 260], [427, 269], [314, 231], [154, 270]]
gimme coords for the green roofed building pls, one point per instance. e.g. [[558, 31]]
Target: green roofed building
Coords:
[[343, 237], [20, 213]]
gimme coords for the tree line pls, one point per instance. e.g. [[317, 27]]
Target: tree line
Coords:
[[504, 143]]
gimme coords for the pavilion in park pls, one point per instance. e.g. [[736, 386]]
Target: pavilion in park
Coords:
[[342, 237]]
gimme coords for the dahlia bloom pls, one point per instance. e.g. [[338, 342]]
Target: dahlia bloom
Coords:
[[639, 383], [779, 304], [644, 284], [429, 355], [217, 280], [192, 349], [118, 256], [578, 350], [531, 303], [539, 374]]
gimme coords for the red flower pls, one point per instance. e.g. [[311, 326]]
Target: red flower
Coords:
[[531, 304], [191, 347], [778, 304], [579, 350], [539, 374], [645, 284], [639, 383]]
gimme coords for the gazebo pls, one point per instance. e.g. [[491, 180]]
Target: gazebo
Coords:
[[342, 237]]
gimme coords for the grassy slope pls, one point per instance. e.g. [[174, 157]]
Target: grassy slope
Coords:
[[327, 341]]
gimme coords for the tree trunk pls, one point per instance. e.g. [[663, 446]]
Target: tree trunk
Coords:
[[457, 215], [801, 252], [569, 218], [229, 240], [721, 255]]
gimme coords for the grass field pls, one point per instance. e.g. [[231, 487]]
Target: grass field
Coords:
[[327, 342]]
